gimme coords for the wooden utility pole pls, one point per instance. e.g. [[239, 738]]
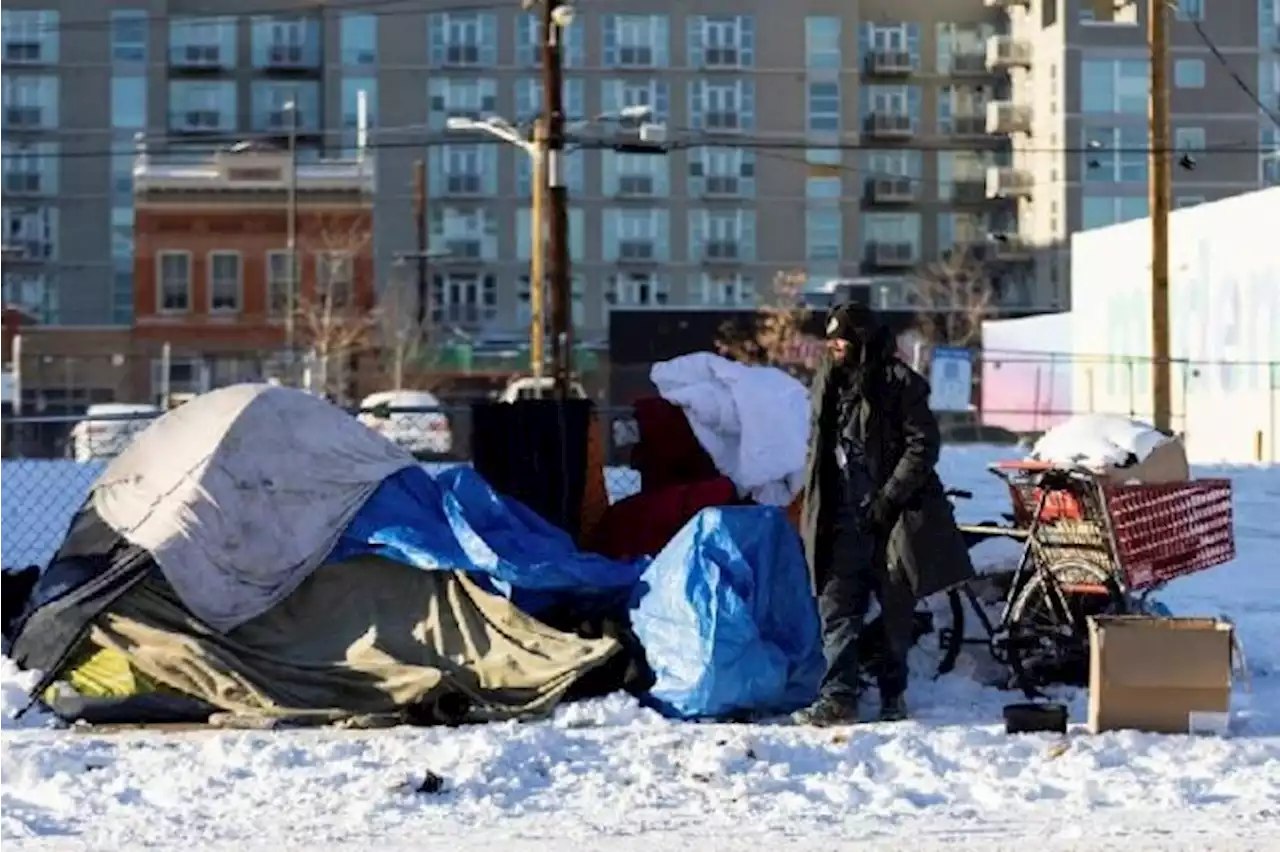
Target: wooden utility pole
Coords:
[[537, 268], [558, 198], [1160, 178], [420, 226]]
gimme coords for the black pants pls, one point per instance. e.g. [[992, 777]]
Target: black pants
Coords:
[[858, 571]]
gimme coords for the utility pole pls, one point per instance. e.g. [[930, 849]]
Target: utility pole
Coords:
[[1160, 176], [555, 16], [537, 267], [420, 226], [291, 229]]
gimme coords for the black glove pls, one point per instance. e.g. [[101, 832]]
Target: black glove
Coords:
[[879, 514]]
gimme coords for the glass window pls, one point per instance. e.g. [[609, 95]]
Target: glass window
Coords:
[[271, 106], [577, 234], [617, 95], [823, 188], [351, 89], [30, 101], [529, 99], [358, 37], [129, 35], [1102, 210], [203, 42], [122, 176], [122, 233], [897, 228], [635, 175], [1189, 139], [721, 41], [722, 172], [464, 170], [30, 168], [524, 300], [723, 290], [1114, 86], [895, 39], [635, 41], [128, 103], [30, 36], [285, 42], [474, 98], [1189, 73], [637, 234], [466, 299], [722, 235], [717, 106], [173, 282], [1115, 154], [224, 281], [1191, 10], [823, 233], [462, 39], [575, 172], [822, 41], [824, 107], [529, 43]]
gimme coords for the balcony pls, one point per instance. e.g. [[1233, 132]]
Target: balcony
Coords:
[[636, 251], [721, 57], [1009, 248], [29, 249], [721, 186], [1006, 182], [463, 184], [890, 63], [968, 124], [965, 191], [890, 125], [1007, 52], [893, 190], [721, 251], [196, 121], [891, 255], [24, 52], [23, 117], [969, 65], [464, 249], [462, 55], [197, 58], [288, 58], [22, 183], [1005, 118], [721, 121], [635, 186]]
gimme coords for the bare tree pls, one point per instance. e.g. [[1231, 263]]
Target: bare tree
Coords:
[[777, 337], [402, 341], [333, 317], [952, 297]]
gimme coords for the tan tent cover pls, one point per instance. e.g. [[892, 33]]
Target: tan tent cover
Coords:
[[365, 636]]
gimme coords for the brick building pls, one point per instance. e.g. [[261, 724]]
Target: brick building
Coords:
[[212, 262]]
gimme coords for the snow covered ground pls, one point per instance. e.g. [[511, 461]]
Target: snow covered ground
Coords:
[[608, 775]]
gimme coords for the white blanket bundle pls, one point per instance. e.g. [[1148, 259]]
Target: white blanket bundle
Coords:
[[752, 421]]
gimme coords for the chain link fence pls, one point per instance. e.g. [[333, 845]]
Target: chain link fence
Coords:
[[51, 462]]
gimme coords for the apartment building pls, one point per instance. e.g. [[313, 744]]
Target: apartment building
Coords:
[[1077, 114]]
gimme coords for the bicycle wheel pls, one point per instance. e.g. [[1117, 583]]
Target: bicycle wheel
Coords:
[[1045, 647]]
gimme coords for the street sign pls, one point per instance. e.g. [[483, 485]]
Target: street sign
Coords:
[[950, 379]]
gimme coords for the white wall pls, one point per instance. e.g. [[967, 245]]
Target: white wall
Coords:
[[1224, 267]]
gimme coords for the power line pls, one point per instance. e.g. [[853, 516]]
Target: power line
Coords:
[[1233, 74]]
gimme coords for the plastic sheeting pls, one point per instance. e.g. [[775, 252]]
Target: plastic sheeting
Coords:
[[727, 620], [457, 522]]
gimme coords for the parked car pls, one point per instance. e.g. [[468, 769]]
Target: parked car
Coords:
[[543, 387], [107, 428], [423, 433]]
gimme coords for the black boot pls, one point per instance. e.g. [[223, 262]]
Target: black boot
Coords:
[[828, 710], [893, 708]]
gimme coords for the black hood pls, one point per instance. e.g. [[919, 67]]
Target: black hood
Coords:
[[871, 339]]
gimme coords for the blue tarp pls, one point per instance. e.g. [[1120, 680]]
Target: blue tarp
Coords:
[[456, 522], [727, 619], [724, 612]]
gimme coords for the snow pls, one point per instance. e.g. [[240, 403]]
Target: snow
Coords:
[[609, 775], [1097, 441]]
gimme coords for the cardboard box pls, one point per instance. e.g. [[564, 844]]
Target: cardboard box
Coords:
[[1150, 674], [1166, 463]]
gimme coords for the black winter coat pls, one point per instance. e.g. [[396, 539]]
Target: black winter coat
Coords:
[[902, 446]]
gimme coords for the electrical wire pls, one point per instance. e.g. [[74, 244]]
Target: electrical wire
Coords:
[[1235, 75]]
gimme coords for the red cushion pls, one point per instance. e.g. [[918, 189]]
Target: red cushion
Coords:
[[643, 523], [668, 453]]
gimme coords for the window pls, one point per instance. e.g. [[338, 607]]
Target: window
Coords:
[[895, 44], [30, 102], [891, 100], [128, 103], [529, 99], [466, 234], [173, 282], [722, 172], [962, 109], [893, 163], [617, 95], [577, 234], [722, 236], [963, 174], [1102, 210], [271, 111], [462, 39], [524, 301], [464, 170], [279, 282], [467, 299], [635, 175], [822, 41], [202, 106], [122, 234], [637, 290], [962, 48], [33, 231], [573, 50], [358, 40], [1115, 154], [636, 235], [575, 172], [963, 229], [723, 290], [30, 169], [202, 42], [32, 293], [823, 188], [335, 279], [129, 36], [895, 229], [1189, 73], [122, 292], [225, 282], [1114, 85], [469, 98], [824, 107], [285, 42], [635, 41], [1190, 10], [30, 37], [122, 177], [823, 233], [1189, 139], [719, 107], [721, 41]]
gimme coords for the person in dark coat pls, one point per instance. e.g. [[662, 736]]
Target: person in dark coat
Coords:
[[876, 520]]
